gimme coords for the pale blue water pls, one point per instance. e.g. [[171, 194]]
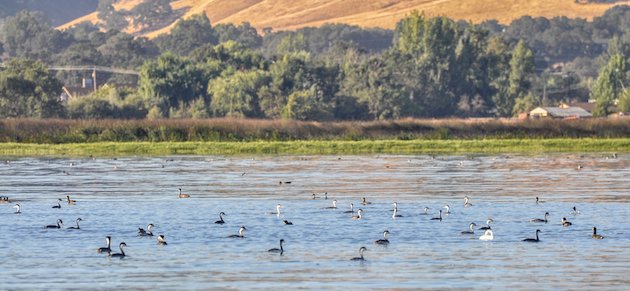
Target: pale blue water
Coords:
[[115, 197]]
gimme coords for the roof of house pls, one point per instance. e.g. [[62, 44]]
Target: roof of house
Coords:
[[566, 112]]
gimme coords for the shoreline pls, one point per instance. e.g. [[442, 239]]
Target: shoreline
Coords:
[[322, 147]]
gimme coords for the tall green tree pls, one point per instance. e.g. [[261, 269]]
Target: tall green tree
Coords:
[[29, 35], [187, 35], [609, 84], [28, 89], [173, 82], [236, 95]]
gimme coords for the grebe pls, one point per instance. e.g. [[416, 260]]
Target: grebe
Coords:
[[488, 235], [359, 215], [220, 221], [595, 235], [325, 195], [384, 240], [395, 214], [58, 204], [106, 249], [161, 241], [487, 224], [17, 208], [276, 250], [364, 201], [538, 201], [472, 229], [565, 222], [241, 233], [315, 196], [77, 227], [122, 252], [286, 222], [70, 201], [575, 211], [466, 203], [58, 225], [334, 205], [277, 210], [182, 195], [148, 232], [541, 220], [438, 218], [533, 239], [448, 209], [426, 211], [351, 209], [360, 257]]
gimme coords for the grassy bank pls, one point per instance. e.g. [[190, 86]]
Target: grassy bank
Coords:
[[230, 130], [488, 146]]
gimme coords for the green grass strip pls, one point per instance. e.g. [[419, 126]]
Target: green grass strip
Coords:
[[317, 147]]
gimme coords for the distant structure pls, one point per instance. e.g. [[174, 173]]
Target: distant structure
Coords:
[[563, 112]]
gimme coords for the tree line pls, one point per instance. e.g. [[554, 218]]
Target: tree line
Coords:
[[426, 67]]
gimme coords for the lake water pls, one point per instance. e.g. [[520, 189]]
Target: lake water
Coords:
[[117, 196]]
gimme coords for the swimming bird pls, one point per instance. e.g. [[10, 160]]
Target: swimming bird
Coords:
[[533, 239], [148, 232], [595, 235], [286, 222], [360, 257], [220, 221], [325, 195], [448, 209], [58, 225], [466, 203], [351, 209], [384, 240], [488, 235], [565, 222], [77, 227], [17, 208], [541, 220], [487, 224], [364, 201], [58, 204], [122, 252], [359, 215], [277, 210], [161, 241], [182, 195], [276, 250], [70, 201], [395, 211], [538, 201], [575, 211], [472, 229], [426, 211], [438, 218], [334, 205], [315, 196], [106, 249], [241, 233]]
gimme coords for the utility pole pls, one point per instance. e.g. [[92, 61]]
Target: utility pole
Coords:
[[94, 79]]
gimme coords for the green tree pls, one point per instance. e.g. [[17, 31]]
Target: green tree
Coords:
[[110, 18], [518, 80], [28, 89], [28, 35], [173, 82], [236, 95], [187, 35], [609, 85]]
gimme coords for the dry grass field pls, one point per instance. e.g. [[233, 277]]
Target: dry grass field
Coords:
[[294, 14]]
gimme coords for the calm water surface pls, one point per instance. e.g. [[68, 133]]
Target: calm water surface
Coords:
[[117, 196]]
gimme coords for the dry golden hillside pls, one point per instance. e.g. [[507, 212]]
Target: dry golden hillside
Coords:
[[293, 14]]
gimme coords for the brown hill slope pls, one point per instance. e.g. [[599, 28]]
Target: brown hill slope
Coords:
[[293, 14]]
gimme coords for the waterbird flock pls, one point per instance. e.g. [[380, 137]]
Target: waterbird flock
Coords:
[[488, 234]]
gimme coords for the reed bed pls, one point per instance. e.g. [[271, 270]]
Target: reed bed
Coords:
[[59, 131]]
